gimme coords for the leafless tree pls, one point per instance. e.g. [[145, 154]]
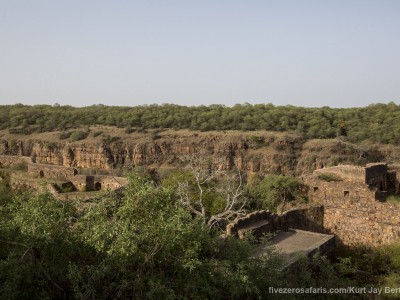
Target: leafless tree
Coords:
[[204, 173]]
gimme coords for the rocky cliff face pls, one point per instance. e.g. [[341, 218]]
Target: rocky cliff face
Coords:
[[261, 152]]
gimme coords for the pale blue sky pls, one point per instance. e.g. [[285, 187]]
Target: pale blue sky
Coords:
[[304, 53]]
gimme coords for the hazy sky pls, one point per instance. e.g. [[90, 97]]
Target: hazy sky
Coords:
[[307, 53]]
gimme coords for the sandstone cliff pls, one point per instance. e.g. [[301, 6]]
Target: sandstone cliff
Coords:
[[261, 151]]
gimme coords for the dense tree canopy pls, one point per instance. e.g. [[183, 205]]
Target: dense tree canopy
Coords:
[[377, 122]]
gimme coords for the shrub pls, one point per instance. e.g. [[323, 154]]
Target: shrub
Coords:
[[78, 135], [256, 141], [129, 129], [49, 146], [393, 199], [328, 177], [21, 166]]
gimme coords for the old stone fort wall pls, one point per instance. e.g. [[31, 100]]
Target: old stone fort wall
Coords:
[[354, 203]]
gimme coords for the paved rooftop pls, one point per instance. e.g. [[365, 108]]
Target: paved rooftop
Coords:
[[294, 243]]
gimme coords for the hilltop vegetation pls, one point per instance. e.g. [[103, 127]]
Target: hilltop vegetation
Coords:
[[378, 123]]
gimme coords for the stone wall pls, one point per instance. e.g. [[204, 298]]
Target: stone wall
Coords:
[[51, 171], [22, 185], [353, 212], [98, 182], [309, 219], [260, 222]]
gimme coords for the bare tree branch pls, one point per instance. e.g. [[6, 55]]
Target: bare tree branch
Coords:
[[204, 173]]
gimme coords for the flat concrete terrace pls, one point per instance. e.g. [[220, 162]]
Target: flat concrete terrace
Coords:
[[294, 243]]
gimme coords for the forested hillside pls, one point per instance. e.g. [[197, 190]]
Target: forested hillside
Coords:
[[379, 123]]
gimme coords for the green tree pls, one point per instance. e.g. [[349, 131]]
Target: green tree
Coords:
[[273, 190]]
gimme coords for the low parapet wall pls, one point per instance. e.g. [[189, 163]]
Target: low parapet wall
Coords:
[[310, 219], [260, 222]]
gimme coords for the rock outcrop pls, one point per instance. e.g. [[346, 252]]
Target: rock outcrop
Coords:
[[271, 154], [260, 151]]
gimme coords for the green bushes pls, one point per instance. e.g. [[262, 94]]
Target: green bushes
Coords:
[[49, 146], [273, 190], [21, 166], [328, 177], [78, 135]]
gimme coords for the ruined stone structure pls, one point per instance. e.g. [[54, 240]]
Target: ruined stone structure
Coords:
[[310, 219], [51, 171], [98, 182], [354, 203], [68, 179], [353, 207], [297, 231]]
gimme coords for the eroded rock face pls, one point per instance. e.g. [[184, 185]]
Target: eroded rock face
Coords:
[[274, 156], [261, 152]]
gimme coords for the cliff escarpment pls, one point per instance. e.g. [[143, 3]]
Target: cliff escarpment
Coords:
[[258, 151]]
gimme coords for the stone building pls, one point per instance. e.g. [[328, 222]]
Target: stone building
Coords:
[[354, 203]]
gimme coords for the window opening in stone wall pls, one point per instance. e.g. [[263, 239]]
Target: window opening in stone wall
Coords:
[[346, 193], [41, 174], [315, 188]]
